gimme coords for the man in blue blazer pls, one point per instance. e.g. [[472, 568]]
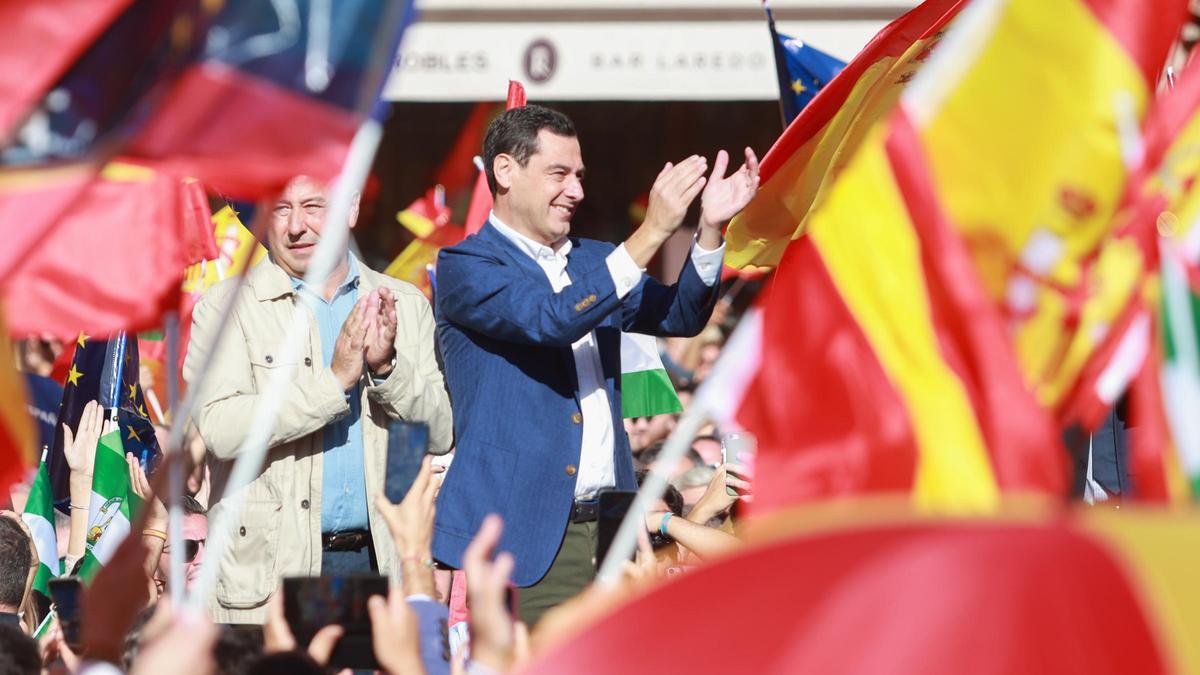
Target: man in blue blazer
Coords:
[[529, 324]]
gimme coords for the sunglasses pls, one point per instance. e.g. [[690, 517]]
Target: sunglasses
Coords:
[[191, 548]]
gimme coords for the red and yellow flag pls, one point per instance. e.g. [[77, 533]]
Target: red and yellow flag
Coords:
[[886, 366], [803, 164], [1028, 115]]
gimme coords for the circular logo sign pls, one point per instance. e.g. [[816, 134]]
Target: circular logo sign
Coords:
[[541, 60]]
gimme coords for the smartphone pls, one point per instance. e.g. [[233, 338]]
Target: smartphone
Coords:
[[614, 504], [67, 592], [739, 448], [407, 444], [311, 603]]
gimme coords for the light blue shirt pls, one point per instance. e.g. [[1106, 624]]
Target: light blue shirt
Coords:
[[343, 484]]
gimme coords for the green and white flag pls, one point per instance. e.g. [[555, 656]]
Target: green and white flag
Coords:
[[113, 504], [1181, 366], [39, 516], [645, 387]]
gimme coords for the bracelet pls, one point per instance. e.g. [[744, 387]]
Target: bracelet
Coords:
[[662, 526], [157, 534], [81, 508], [427, 562]]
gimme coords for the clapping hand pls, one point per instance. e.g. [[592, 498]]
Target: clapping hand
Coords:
[[380, 336], [725, 196]]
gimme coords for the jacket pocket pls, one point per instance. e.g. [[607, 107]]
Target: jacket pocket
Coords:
[[266, 358], [249, 568]]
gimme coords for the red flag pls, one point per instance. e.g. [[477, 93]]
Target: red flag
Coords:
[[933, 598], [481, 197], [481, 205], [41, 40], [112, 260], [458, 167], [886, 368]]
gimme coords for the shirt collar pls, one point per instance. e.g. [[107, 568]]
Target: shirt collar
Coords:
[[352, 276], [531, 248]]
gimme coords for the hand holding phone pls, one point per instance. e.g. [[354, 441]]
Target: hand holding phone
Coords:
[[311, 603], [737, 454], [67, 593]]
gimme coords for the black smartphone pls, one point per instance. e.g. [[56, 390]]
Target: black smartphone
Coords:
[[614, 504], [407, 444], [311, 603], [67, 592]]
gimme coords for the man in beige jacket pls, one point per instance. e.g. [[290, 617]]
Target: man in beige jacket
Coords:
[[368, 359]]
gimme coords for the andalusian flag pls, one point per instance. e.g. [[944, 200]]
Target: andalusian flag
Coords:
[[39, 516], [875, 363], [799, 170], [646, 389], [113, 503], [1028, 114]]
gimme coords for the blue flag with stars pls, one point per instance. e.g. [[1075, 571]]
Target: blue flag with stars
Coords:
[[802, 71], [105, 371]]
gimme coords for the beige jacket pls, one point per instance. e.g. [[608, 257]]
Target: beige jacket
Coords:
[[279, 531]]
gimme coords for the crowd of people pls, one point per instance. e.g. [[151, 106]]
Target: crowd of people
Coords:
[[513, 371]]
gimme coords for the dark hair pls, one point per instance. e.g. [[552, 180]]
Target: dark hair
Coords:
[[193, 507], [672, 497], [515, 133], [16, 557], [238, 647], [650, 453], [285, 663], [18, 652]]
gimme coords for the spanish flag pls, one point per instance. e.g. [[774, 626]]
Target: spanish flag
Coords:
[[1028, 114], [803, 164], [885, 368]]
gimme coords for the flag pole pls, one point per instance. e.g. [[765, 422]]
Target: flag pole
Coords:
[[175, 478], [780, 63], [325, 257], [713, 400]]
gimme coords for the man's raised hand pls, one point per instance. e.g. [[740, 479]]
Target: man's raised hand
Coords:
[[673, 192], [725, 196], [347, 363], [381, 331]]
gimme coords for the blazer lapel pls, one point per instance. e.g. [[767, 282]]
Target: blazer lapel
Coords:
[[530, 267]]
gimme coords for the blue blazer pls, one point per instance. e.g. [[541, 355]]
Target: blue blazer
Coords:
[[505, 339]]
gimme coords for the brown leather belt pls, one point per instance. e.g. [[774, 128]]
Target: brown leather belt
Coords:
[[352, 540]]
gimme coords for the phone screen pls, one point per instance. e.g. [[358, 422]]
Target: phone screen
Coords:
[[614, 504], [311, 603], [407, 444], [66, 593]]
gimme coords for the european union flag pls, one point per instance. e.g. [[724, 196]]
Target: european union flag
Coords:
[[802, 71], [105, 371]]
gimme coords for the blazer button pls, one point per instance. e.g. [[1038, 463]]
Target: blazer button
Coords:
[[242, 531], [269, 359], [307, 361], [304, 503], [577, 418], [570, 469]]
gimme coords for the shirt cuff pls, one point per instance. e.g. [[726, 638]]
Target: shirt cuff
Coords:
[[625, 272], [708, 263]]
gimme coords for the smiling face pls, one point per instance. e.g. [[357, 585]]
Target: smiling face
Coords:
[[296, 224], [540, 198]]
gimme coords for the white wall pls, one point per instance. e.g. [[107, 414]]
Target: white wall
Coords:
[[467, 50]]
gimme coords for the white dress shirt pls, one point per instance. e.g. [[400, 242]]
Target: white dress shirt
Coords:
[[596, 455]]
